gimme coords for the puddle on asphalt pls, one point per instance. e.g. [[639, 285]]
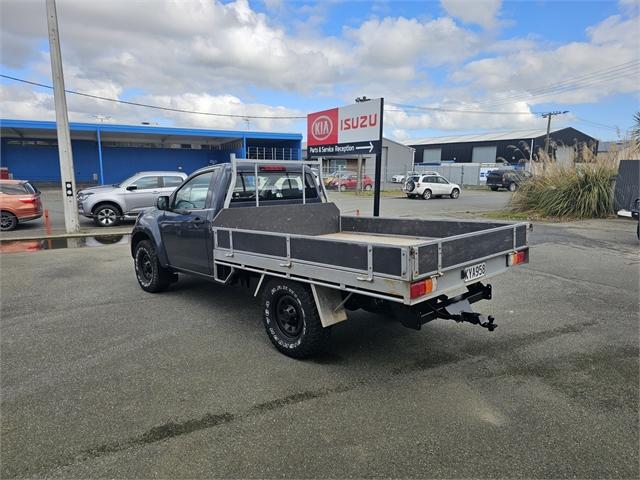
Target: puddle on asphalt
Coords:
[[20, 246]]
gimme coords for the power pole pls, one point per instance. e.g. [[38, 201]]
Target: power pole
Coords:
[[67, 176], [548, 116]]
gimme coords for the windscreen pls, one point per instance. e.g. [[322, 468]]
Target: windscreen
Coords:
[[278, 185]]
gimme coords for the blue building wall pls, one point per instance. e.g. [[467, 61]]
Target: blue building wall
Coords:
[[121, 162], [40, 163]]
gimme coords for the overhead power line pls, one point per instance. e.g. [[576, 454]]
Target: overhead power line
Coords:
[[591, 79], [157, 107]]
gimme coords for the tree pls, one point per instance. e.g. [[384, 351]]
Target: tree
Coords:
[[636, 127]]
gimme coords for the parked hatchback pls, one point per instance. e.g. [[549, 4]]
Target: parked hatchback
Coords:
[[19, 202], [350, 182], [430, 185], [509, 179], [109, 204]]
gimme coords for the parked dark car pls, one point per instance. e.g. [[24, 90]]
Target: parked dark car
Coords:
[[509, 179]]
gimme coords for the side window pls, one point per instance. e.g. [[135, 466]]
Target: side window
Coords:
[[193, 194], [12, 189], [146, 183], [430, 179], [172, 181], [442, 180]]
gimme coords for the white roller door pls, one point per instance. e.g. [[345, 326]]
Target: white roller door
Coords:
[[431, 155], [484, 154]]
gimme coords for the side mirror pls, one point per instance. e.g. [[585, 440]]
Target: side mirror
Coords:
[[162, 203], [132, 187]]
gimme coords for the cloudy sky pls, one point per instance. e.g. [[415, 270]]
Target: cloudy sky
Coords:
[[436, 63]]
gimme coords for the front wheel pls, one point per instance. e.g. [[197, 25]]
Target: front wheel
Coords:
[[427, 194], [8, 221], [342, 188], [512, 187], [291, 319], [152, 277], [106, 216], [455, 193], [368, 187]]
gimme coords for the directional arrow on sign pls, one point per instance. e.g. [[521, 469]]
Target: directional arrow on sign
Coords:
[[364, 147]]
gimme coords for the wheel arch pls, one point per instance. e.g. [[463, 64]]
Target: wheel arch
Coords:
[[107, 202]]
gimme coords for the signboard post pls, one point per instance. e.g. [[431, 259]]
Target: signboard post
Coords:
[[352, 130]]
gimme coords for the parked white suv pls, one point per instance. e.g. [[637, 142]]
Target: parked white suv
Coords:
[[430, 184], [108, 204]]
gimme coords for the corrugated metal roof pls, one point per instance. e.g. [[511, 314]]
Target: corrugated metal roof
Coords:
[[482, 137]]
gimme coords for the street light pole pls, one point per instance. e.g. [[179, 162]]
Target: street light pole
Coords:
[[67, 176]]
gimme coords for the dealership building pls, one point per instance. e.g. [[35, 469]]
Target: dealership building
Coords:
[[106, 153]]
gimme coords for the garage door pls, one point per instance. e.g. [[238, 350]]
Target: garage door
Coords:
[[431, 155], [484, 154]]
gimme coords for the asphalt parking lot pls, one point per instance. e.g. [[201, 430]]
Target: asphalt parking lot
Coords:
[[100, 379]]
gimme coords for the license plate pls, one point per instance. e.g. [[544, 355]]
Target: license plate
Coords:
[[474, 271]]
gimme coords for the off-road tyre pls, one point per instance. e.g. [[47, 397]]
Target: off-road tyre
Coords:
[[107, 215], [8, 221], [152, 277], [427, 194], [291, 319]]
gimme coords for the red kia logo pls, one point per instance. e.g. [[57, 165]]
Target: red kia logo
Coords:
[[322, 127]]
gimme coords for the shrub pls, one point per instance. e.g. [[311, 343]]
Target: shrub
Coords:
[[581, 191]]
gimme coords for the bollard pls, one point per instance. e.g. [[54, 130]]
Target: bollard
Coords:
[[47, 223]]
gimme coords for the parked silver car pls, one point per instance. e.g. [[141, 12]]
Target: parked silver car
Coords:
[[109, 204]]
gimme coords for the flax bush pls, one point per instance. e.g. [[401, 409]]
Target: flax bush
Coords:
[[577, 192]]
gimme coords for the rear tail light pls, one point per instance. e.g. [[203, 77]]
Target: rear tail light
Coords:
[[517, 258], [272, 168], [31, 201], [421, 288]]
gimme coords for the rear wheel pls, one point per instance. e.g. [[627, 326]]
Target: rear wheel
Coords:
[[291, 319], [368, 187], [455, 193], [106, 215], [343, 188], [152, 277], [426, 194], [8, 221], [512, 187]]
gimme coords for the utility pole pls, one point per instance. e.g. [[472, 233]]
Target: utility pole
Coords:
[[67, 176], [548, 116]]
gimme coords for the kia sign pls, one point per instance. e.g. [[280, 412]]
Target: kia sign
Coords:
[[354, 129]]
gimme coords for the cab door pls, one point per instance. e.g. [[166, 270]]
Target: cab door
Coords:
[[186, 227]]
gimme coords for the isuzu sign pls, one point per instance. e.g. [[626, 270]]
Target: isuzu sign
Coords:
[[354, 129]]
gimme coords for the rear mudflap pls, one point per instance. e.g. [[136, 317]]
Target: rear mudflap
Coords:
[[457, 308]]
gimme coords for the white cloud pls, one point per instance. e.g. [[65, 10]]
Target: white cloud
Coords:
[[612, 42], [481, 12]]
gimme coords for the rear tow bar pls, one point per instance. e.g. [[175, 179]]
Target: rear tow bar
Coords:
[[457, 308]]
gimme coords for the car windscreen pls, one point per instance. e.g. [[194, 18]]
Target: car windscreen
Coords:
[[277, 185]]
